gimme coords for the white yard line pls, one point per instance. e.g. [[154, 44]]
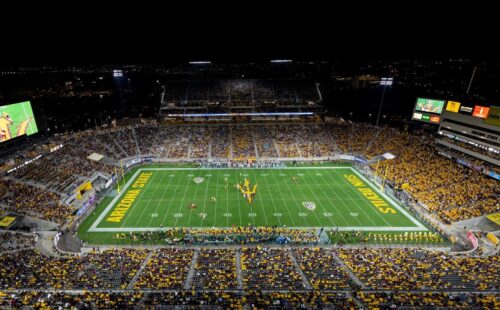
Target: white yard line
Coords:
[[272, 200], [345, 208], [365, 201], [172, 199], [326, 196], [227, 200], [182, 201], [154, 194], [112, 203], [260, 201], [131, 210], [216, 196], [205, 200], [239, 206], [298, 204], [160, 200], [390, 200]]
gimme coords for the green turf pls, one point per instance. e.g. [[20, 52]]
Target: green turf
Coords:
[[279, 200]]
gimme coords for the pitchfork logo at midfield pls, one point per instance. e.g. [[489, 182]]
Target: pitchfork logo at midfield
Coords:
[[246, 190]]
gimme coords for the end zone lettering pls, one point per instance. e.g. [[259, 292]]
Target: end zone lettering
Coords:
[[373, 197], [119, 211], [142, 180]]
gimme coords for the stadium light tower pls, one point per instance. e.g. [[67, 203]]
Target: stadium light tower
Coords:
[[383, 82], [117, 76]]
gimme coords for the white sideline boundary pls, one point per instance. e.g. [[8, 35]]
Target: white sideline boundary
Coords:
[[94, 228], [391, 201]]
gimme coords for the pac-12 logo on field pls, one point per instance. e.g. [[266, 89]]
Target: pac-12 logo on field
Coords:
[[198, 180], [309, 205]]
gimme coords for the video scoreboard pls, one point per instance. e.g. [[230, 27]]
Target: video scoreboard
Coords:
[[428, 110], [17, 120]]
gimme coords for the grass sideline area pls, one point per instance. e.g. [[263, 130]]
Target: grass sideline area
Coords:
[[164, 200]]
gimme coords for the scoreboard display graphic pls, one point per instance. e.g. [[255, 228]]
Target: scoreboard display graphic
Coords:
[[17, 120]]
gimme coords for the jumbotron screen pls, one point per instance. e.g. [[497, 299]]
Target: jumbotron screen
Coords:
[[430, 105], [16, 120], [428, 110]]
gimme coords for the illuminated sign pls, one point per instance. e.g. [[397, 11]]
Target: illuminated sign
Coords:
[[453, 106], [494, 116], [466, 109], [435, 119], [480, 111], [429, 105], [426, 117], [417, 116]]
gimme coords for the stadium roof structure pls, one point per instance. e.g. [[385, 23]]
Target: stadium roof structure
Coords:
[[95, 157], [388, 156]]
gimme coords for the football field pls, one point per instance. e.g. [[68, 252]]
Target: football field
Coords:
[[156, 198]]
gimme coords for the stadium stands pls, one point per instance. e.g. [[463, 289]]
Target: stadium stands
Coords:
[[216, 269], [243, 266], [166, 269], [33, 201], [453, 192], [265, 268], [249, 276], [270, 278]]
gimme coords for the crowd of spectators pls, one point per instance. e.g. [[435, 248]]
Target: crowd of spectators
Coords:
[[248, 300], [254, 299], [110, 269], [406, 269], [357, 237], [300, 300], [10, 241], [34, 201], [265, 142], [322, 270], [58, 300], [271, 278], [430, 300], [269, 268], [252, 235], [215, 269], [452, 191], [166, 269], [243, 143]]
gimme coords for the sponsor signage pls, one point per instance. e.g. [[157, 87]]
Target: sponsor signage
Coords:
[[132, 162], [435, 119], [453, 106], [494, 116], [494, 175], [480, 111], [466, 109]]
